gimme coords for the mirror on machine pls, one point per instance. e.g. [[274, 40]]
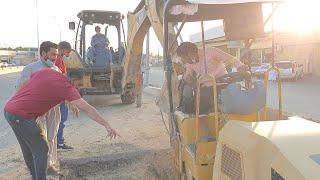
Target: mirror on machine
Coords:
[[72, 25]]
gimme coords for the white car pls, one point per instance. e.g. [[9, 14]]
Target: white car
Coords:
[[4, 64], [290, 70], [11, 64], [254, 67], [260, 71]]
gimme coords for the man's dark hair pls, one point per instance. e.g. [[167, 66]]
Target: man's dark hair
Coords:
[[186, 47], [75, 73], [97, 27], [46, 46], [64, 45]]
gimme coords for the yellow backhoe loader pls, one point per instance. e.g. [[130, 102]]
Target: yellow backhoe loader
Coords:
[[264, 144]]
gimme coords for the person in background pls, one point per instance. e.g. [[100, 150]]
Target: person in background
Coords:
[[64, 49], [99, 40], [112, 51], [99, 52]]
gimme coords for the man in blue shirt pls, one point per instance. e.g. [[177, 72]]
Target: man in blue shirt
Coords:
[[99, 40]]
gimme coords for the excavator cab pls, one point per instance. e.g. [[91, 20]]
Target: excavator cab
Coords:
[[101, 64]]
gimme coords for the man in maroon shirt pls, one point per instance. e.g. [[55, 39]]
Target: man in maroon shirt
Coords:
[[44, 90]]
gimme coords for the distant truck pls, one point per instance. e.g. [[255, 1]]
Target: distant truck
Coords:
[[290, 70]]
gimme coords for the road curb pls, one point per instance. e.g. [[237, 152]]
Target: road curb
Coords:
[[8, 70]]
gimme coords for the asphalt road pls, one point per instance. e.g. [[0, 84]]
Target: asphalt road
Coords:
[[301, 98], [7, 89]]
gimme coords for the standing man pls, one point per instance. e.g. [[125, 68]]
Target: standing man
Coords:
[[46, 89], [48, 54], [64, 49], [51, 119]]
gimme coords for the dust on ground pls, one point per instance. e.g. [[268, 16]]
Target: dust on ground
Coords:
[[142, 152]]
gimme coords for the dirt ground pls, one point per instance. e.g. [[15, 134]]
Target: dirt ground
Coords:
[[142, 152]]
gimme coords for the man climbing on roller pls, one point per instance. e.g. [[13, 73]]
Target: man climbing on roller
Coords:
[[194, 61]]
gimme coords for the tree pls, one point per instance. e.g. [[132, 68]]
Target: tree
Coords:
[[7, 48]]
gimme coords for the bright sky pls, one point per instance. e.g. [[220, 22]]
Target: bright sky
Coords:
[[18, 19], [298, 16], [19, 22]]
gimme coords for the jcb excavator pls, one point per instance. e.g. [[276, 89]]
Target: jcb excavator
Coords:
[[103, 76], [224, 144], [102, 66]]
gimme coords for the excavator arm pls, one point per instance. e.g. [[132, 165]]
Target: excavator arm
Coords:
[[148, 14]]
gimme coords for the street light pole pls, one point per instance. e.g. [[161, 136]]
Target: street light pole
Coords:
[[58, 23], [147, 62], [60, 32], [37, 14]]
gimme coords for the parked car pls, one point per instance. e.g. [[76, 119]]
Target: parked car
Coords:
[[11, 64], [290, 70], [260, 71], [4, 64], [255, 66]]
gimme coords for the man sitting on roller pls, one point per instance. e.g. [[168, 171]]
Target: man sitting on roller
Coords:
[[194, 61]]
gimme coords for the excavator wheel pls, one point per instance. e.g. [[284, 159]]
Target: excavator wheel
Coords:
[[128, 97]]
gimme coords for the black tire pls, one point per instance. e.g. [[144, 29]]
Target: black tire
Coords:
[[128, 97], [295, 78], [301, 75], [183, 176]]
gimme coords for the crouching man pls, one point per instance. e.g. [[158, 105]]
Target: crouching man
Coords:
[[45, 89]]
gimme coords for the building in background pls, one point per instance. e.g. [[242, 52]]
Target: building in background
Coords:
[[26, 56], [304, 49], [7, 55], [154, 60], [215, 37]]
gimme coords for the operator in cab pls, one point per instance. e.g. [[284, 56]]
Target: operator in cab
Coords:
[[99, 53], [194, 62], [99, 40]]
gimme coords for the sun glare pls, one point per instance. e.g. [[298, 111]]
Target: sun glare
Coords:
[[298, 16]]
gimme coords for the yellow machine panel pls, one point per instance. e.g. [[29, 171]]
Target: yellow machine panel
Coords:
[[276, 150], [187, 125], [199, 160], [74, 61]]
